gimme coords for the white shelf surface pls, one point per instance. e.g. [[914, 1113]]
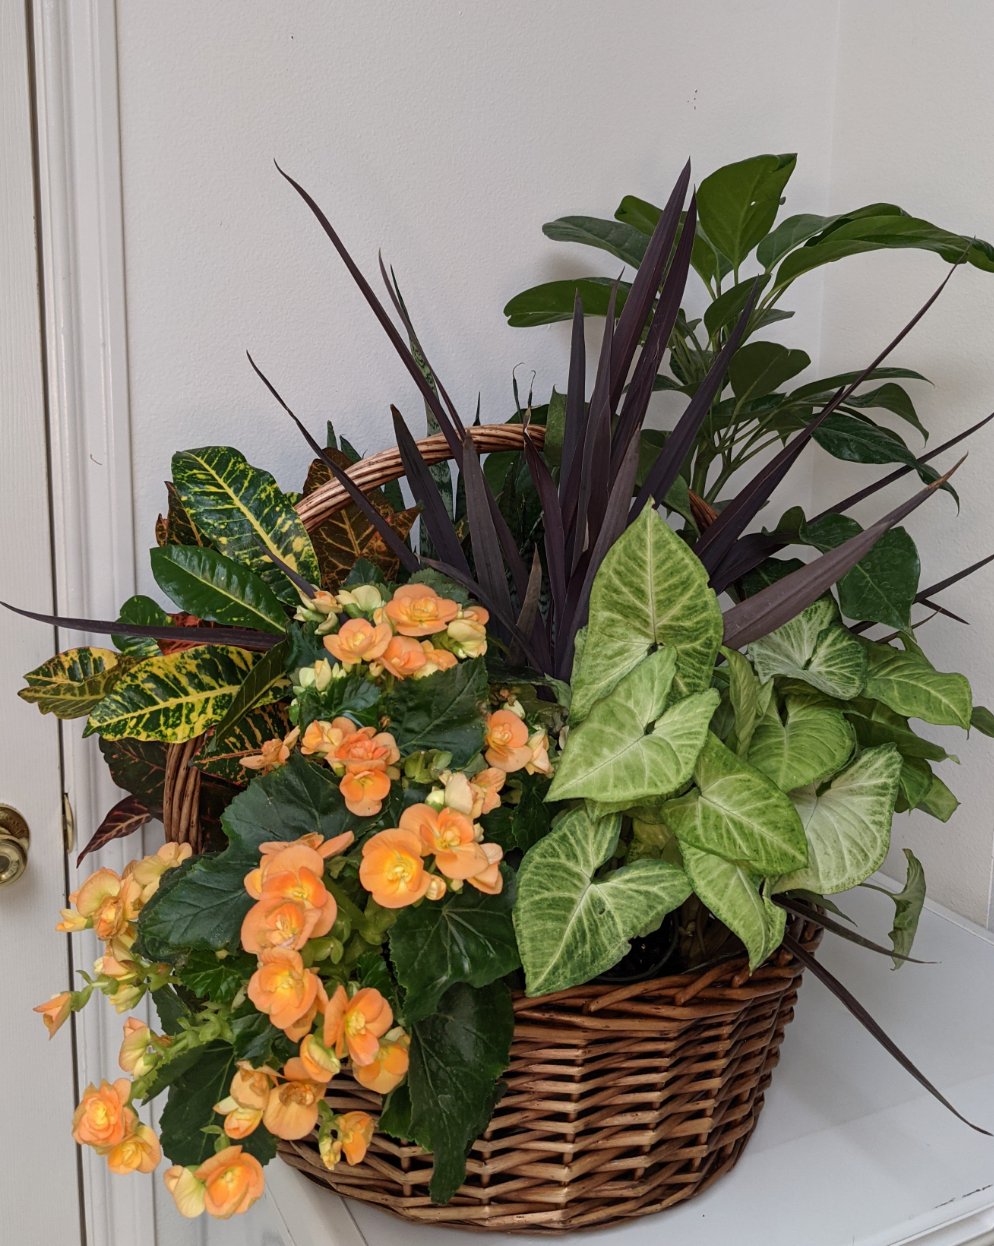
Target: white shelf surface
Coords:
[[849, 1150]]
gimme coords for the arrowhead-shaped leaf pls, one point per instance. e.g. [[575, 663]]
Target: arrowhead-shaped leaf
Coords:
[[629, 746], [814, 647], [650, 591], [848, 824], [572, 927], [909, 684], [733, 895], [750, 699], [812, 743], [908, 905]]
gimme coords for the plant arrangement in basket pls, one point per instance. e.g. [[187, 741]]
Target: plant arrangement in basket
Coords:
[[556, 741]]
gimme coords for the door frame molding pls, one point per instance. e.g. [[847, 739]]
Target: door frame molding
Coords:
[[86, 359]]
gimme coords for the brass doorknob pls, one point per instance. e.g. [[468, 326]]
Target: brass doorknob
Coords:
[[14, 838]]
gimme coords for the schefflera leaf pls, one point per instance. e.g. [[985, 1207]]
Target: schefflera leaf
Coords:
[[815, 648], [631, 746], [736, 896], [72, 683], [737, 813], [244, 513], [572, 926], [848, 824], [650, 591], [811, 743]]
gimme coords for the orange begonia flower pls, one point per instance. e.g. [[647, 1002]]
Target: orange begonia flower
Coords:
[[392, 869], [450, 835], [402, 658], [468, 637], [188, 1193], [248, 1096], [55, 1012], [316, 1062], [506, 740], [287, 856], [103, 1118], [232, 1181], [489, 879], [109, 904], [358, 640], [322, 737], [281, 923], [435, 660], [355, 1131], [417, 610], [148, 872], [364, 791], [283, 988], [367, 749], [486, 790], [388, 1068], [356, 1025], [138, 1152], [273, 754], [292, 1109], [135, 1057], [538, 742]]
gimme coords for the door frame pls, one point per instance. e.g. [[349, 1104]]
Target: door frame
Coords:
[[80, 229]]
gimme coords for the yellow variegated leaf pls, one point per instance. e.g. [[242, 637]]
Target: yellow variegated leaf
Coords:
[[70, 684], [173, 697], [242, 512]]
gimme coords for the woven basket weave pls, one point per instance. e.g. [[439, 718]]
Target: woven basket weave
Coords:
[[620, 1101]]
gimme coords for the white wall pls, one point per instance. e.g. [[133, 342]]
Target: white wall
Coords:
[[448, 132]]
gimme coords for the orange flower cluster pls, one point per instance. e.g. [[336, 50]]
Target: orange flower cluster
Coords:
[[225, 1185], [105, 1121], [509, 746], [366, 760], [393, 866]]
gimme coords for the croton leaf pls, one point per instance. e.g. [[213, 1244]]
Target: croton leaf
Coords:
[[467, 937], [176, 527], [734, 894], [72, 683], [442, 711], [630, 746], [144, 611], [127, 816], [848, 824], [247, 736], [457, 1057], [909, 684], [207, 584], [805, 746], [138, 766], [571, 925], [814, 647], [737, 813], [245, 515], [265, 683], [649, 592], [173, 697]]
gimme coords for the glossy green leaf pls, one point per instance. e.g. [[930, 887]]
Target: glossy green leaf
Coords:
[[244, 513], [205, 583], [815, 648], [808, 745], [734, 896], [265, 683], [457, 1057], [848, 824], [822, 390], [466, 937], [146, 613], [630, 746], [796, 230], [882, 587], [909, 684], [571, 925], [738, 204], [650, 591], [443, 711], [616, 237], [729, 305], [553, 300], [72, 683], [759, 368], [173, 697], [737, 813], [855, 440], [892, 398]]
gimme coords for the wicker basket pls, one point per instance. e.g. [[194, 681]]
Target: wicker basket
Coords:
[[620, 1101]]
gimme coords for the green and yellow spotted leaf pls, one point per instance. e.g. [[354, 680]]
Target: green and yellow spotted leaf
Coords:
[[72, 683], [242, 511], [174, 697], [247, 735]]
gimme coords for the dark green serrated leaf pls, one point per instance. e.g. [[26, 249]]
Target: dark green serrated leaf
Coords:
[[444, 711]]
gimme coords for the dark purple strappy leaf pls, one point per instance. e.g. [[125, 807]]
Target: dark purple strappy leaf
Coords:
[[576, 406], [844, 932], [483, 534], [552, 522], [425, 492], [583, 521], [238, 637]]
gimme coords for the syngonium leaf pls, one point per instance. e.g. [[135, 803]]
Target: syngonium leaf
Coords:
[[457, 1057], [649, 592], [737, 813], [630, 746], [72, 683], [908, 905], [750, 699], [174, 697], [816, 648], [573, 924], [939, 802], [467, 937], [735, 896], [207, 584], [848, 824], [245, 515], [909, 684], [809, 744]]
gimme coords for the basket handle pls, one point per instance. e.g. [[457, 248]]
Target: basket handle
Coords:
[[380, 469]]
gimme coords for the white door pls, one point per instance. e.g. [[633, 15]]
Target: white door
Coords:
[[39, 1184]]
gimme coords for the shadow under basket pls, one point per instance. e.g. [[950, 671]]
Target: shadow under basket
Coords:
[[620, 1102]]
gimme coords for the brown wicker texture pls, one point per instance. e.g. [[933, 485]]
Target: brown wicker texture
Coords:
[[620, 1102]]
